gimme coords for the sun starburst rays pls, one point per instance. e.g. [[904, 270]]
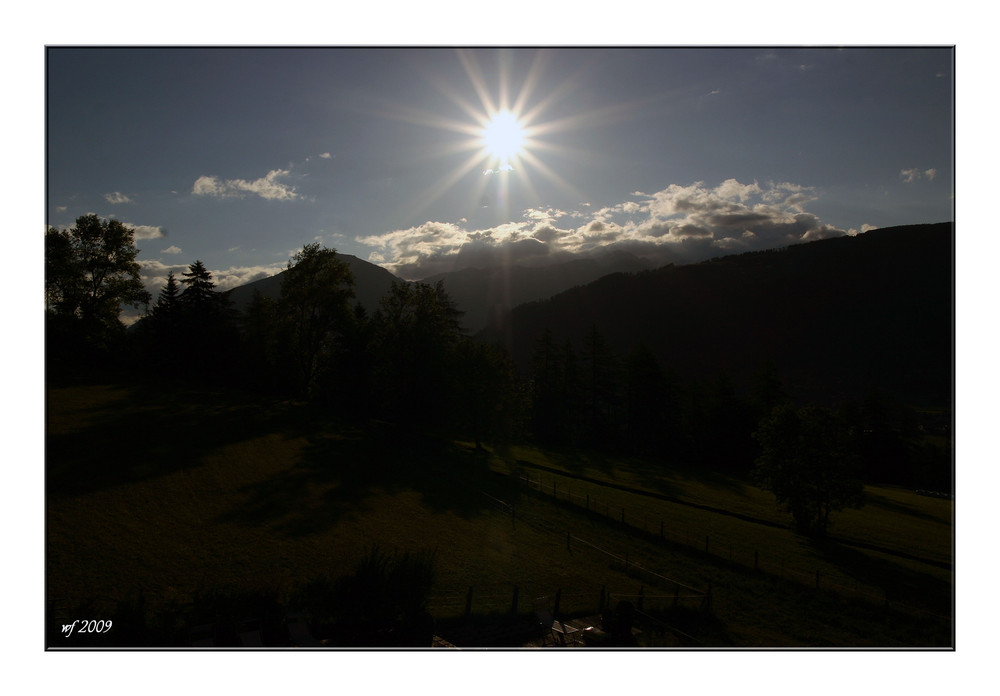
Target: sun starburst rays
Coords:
[[503, 121]]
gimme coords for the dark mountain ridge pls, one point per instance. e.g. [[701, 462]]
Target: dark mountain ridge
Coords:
[[371, 283], [838, 318], [486, 295]]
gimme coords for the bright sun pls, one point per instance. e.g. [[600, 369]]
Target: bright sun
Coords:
[[503, 137]]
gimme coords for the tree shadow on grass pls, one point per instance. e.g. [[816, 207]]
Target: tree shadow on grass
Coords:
[[881, 501], [141, 434], [898, 582], [339, 476], [648, 473]]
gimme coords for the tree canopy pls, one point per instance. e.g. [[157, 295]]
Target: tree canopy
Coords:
[[808, 463], [91, 271], [314, 307]]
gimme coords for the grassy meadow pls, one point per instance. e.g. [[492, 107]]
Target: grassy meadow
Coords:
[[169, 494]]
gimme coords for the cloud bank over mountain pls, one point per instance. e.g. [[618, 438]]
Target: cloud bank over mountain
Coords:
[[677, 224]]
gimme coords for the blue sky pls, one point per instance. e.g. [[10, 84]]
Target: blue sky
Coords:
[[239, 156]]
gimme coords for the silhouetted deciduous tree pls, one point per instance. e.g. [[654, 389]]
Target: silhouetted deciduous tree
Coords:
[[314, 308], [808, 463], [90, 272]]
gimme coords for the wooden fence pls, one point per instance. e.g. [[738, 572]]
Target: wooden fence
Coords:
[[716, 546]]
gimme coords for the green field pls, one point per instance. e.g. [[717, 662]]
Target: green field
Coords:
[[173, 494]]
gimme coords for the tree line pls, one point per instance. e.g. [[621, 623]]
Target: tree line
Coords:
[[408, 363]]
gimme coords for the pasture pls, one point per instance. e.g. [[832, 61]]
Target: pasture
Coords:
[[172, 494]]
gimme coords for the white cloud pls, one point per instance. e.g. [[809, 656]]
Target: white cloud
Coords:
[[117, 198], [147, 231], [234, 276], [268, 187], [914, 174], [154, 273], [676, 224], [171, 250]]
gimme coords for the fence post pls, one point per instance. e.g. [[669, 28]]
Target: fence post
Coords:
[[567, 542], [602, 600], [555, 609], [468, 602], [677, 592], [639, 601], [588, 502], [513, 602], [755, 559], [706, 543], [817, 578], [661, 529], [626, 561], [623, 515]]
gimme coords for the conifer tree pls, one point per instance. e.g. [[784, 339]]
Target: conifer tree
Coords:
[[199, 294], [168, 302]]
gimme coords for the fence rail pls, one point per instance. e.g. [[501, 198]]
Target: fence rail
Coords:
[[717, 546]]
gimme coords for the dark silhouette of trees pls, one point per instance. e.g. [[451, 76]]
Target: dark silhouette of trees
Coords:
[[415, 332], [767, 389], [650, 403], [728, 426], [571, 394], [259, 343], [90, 273], [159, 331], [547, 375], [313, 311], [807, 461], [204, 333], [199, 295], [167, 305], [600, 382], [487, 397]]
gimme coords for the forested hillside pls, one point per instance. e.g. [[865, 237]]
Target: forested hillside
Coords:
[[838, 318]]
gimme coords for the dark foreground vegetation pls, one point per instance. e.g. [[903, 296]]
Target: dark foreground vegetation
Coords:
[[310, 471]]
